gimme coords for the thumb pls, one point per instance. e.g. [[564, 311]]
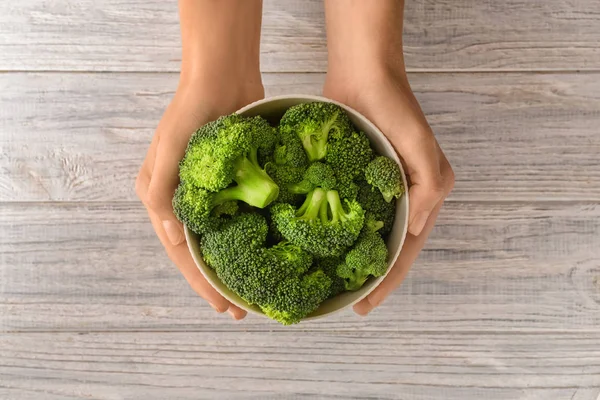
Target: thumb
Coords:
[[163, 183], [423, 200]]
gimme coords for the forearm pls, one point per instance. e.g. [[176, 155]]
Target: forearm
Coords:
[[365, 34], [220, 37]]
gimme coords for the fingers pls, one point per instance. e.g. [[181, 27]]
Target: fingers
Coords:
[[410, 251], [236, 312], [181, 257], [179, 254], [164, 178], [422, 158], [405, 125]]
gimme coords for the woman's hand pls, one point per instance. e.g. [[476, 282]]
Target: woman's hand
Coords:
[[389, 103], [366, 72], [220, 74]]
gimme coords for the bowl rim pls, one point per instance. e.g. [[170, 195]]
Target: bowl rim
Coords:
[[189, 235]]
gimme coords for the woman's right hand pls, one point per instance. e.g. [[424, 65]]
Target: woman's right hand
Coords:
[[219, 74], [194, 104]]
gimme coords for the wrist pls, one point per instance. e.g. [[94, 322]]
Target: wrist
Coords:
[[365, 37], [220, 40]]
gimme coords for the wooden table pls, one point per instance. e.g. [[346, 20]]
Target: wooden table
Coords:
[[504, 303]]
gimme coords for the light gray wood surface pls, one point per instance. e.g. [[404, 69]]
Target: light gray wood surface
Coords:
[[488, 267], [504, 302], [305, 365], [509, 136], [440, 35]]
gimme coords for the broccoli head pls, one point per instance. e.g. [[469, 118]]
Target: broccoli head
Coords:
[[314, 123], [201, 210], [317, 175], [274, 278], [289, 150], [349, 155], [321, 226], [294, 299], [347, 189], [374, 204], [384, 174], [367, 258], [285, 176], [329, 266], [226, 151]]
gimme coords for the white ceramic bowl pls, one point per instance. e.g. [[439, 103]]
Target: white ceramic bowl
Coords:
[[273, 109]]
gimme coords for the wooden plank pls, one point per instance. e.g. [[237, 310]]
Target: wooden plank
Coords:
[[284, 365], [489, 267], [72, 137], [137, 35]]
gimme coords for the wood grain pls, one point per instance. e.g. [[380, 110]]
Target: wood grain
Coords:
[[301, 365], [83, 137], [488, 267], [136, 35]]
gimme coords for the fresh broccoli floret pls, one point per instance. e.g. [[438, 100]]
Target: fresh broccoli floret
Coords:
[[375, 205], [274, 278], [314, 123], [347, 189], [384, 174], [317, 175], [289, 151], [329, 266], [289, 259], [225, 151], [367, 258], [349, 155], [201, 210], [321, 225], [233, 241], [227, 208], [296, 298], [284, 176]]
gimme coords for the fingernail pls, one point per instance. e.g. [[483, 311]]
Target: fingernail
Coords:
[[418, 223], [174, 232]]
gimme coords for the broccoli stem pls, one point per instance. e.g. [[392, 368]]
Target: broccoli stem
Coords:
[[254, 186], [311, 207], [356, 282], [315, 143], [335, 204], [316, 149], [387, 195], [302, 187], [373, 226]]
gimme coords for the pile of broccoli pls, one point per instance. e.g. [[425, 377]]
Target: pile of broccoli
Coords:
[[288, 216]]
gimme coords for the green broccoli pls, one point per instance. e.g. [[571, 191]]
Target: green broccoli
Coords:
[[367, 258], [374, 204], [317, 175], [314, 123], [349, 155], [225, 151], [384, 174], [296, 298], [347, 189], [199, 209], [321, 225], [285, 176], [329, 266], [289, 150], [289, 163], [274, 278], [227, 208]]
